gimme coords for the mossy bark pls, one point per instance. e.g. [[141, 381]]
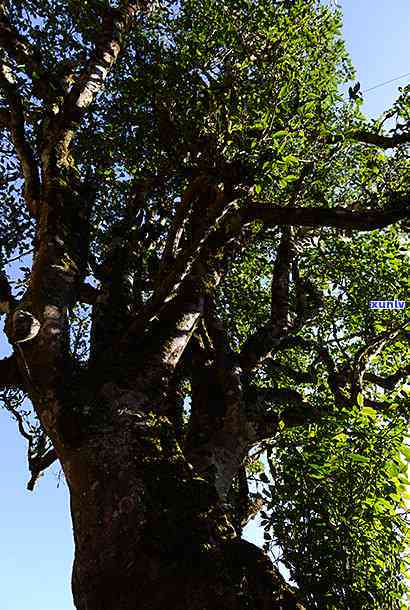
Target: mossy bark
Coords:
[[152, 535]]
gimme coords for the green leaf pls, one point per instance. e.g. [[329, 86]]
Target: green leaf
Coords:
[[359, 458], [279, 134], [405, 450], [369, 412]]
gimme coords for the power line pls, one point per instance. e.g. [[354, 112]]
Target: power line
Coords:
[[387, 82]]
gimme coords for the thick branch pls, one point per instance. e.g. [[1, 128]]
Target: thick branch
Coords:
[[88, 294], [180, 221], [243, 506], [115, 298], [215, 208], [322, 217], [280, 285], [219, 434], [390, 381], [308, 298], [367, 137], [363, 356], [298, 376], [5, 118], [23, 52], [229, 375], [379, 406], [258, 346], [266, 408], [193, 260], [335, 379], [19, 138], [108, 46]]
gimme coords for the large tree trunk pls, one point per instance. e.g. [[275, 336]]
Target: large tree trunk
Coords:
[[150, 519], [149, 533]]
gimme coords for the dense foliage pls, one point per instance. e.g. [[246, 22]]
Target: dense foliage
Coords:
[[244, 96]]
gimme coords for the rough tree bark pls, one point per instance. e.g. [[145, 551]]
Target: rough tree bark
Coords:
[[151, 522], [149, 532]]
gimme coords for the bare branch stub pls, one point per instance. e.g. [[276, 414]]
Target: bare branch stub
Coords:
[[9, 373], [6, 296], [38, 464]]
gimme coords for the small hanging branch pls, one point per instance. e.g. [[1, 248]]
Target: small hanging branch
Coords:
[[38, 457]]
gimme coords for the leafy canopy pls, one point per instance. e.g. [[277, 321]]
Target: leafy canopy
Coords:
[[247, 94]]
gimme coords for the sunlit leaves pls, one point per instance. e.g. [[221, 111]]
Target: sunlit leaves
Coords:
[[343, 486], [206, 87]]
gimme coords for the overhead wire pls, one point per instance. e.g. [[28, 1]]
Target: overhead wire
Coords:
[[387, 82]]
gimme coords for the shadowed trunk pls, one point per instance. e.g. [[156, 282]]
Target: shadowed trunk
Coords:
[[149, 533]]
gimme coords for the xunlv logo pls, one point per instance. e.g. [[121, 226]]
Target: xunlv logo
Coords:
[[387, 304]]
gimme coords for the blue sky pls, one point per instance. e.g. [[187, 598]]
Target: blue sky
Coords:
[[36, 548]]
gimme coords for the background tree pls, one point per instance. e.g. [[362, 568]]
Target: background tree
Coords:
[[202, 213]]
